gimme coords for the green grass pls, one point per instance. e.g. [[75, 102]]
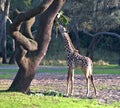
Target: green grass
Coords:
[[6, 75], [106, 71], [19, 100], [8, 70], [111, 66], [110, 69]]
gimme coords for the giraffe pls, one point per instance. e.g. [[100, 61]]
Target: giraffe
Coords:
[[75, 59]]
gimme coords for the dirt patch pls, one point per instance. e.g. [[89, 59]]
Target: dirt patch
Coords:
[[108, 86]]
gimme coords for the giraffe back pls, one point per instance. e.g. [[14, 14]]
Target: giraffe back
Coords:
[[78, 60]]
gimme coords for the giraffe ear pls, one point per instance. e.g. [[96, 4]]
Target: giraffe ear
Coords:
[[76, 51], [60, 27], [64, 29]]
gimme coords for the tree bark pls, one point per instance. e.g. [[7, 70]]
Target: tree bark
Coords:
[[26, 31], [31, 51]]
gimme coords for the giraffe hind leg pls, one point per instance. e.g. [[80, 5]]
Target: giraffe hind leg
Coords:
[[91, 78], [86, 73]]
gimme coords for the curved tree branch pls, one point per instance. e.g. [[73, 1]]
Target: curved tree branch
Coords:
[[96, 39], [102, 33], [27, 43], [27, 29], [31, 13]]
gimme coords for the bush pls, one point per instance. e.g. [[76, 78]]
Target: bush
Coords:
[[101, 62]]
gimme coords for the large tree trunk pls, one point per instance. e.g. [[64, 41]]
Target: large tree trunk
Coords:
[[31, 51]]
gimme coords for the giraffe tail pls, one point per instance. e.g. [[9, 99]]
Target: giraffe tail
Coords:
[[91, 77]]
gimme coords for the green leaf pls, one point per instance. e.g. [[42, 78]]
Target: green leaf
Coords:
[[61, 18]]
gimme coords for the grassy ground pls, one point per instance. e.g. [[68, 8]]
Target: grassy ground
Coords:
[[18, 100]]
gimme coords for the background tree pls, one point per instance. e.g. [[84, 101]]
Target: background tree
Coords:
[[32, 50], [5, 12], [21, 5], [99, 16]]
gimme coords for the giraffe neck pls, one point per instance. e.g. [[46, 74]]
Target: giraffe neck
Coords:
[[69, 48]]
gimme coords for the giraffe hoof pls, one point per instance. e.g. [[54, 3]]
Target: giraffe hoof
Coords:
[[67, 95], [88, 95], [71, 94]]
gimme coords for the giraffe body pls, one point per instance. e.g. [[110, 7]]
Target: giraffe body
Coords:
[[74, 59]]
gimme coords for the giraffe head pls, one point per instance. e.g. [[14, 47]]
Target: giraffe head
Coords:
[[62, 29]]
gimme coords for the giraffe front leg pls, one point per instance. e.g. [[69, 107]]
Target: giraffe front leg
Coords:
[[68, 83], [72, 81]]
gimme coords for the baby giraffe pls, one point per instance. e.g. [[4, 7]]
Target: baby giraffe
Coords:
[[75, 59]]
